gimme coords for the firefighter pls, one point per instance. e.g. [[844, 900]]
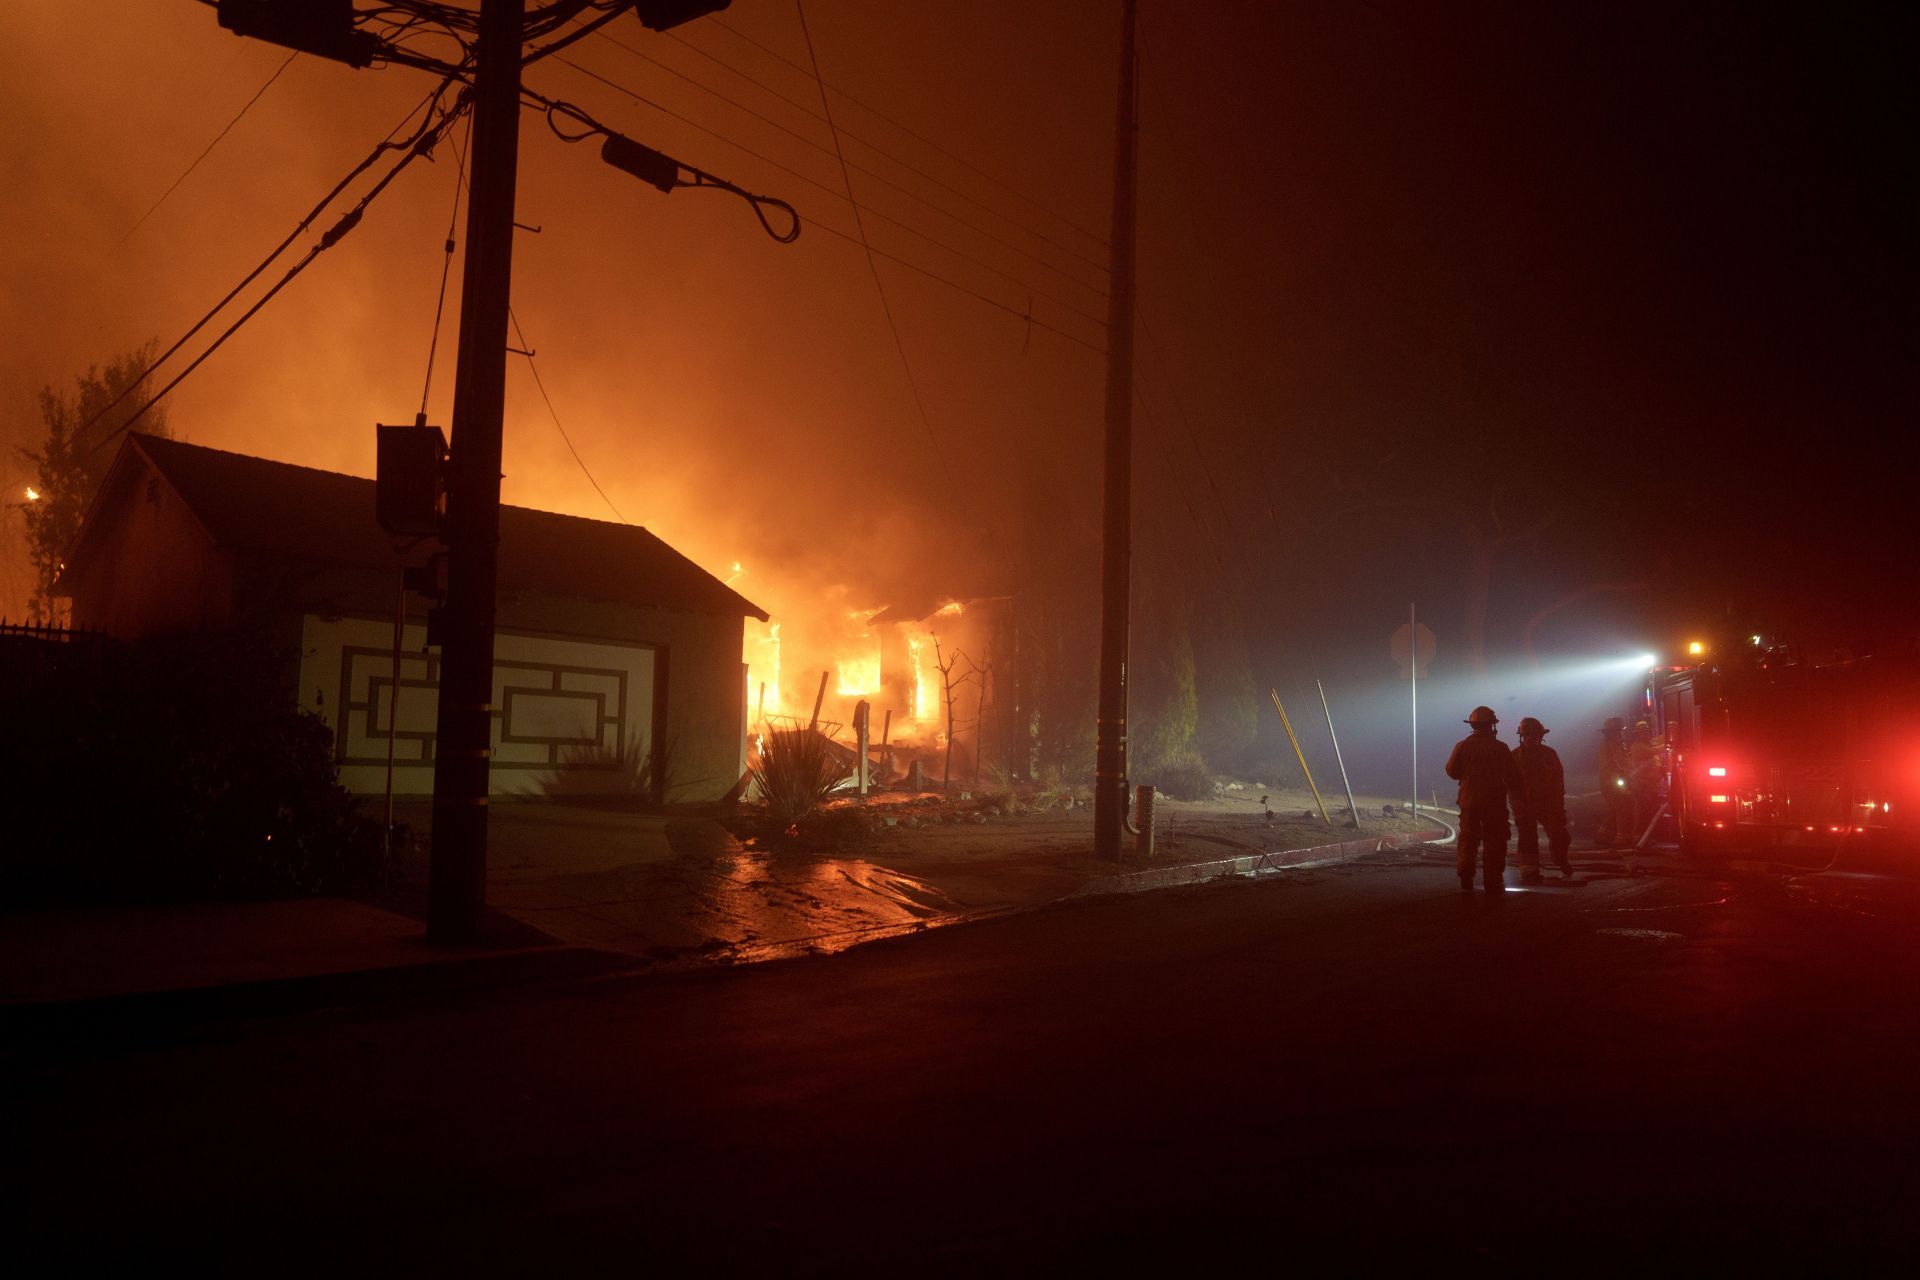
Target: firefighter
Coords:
[[1488, 777], [1643, 777], [1545, 802], [1613, 783]]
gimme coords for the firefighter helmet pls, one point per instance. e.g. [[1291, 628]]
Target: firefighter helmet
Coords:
[[1641, 726], [1482, 715], [1532, 728], [1614, 724]]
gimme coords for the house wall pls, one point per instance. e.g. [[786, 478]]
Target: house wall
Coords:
[[702, 681], [570, 716], [692, 662], [156, 570], [153, 567]]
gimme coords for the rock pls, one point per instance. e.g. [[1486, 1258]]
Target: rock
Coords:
[[888, 820], [909, 821], [993, 810], [976, 817]]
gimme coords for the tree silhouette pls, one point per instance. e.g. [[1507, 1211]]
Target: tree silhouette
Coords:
[[73, 460]]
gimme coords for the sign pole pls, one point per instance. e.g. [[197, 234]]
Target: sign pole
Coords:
[[1413, 691]]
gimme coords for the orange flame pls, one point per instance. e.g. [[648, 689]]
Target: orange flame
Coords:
[[859, 676]]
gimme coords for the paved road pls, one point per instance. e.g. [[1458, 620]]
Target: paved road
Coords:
[[1345, 1063]]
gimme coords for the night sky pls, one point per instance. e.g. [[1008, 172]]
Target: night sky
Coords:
[[1619, 298]]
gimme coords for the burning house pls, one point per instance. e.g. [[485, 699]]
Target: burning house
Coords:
[[617, 662], [937, 675]]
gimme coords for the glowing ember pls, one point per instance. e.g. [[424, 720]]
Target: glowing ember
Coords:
[[33, 494]]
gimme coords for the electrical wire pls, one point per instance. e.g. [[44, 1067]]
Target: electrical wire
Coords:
[[385, 145], [701, 178], [185, 174], [903, 163], [838, 195], [881, 115], [421, 145], [579, 33], [526, 349], [955, 285], [873, 265], [555, 107], [841, 195], [446, 263]]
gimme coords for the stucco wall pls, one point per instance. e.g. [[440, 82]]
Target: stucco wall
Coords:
[[697, 665], [570, 717], [701, 678]]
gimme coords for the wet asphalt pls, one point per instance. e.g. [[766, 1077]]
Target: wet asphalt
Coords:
[[1664, 1065]]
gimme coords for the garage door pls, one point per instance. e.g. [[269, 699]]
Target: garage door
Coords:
[[570, 716]]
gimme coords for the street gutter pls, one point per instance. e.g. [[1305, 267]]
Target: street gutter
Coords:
[[1254, 864]]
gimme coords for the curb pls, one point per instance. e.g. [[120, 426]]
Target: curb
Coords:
[[1251, 864], [178, 1012]]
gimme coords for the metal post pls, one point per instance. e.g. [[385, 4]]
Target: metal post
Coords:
[[1300, 755], [1352, 808], [862, 713], [1413, 691], [462, 754], [1116, 554], [393, 699]]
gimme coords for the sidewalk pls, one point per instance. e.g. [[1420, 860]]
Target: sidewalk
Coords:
[[574, 890]]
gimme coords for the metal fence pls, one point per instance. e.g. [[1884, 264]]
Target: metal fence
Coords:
[[33, 650]]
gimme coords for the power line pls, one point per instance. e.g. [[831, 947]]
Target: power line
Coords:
[[908, 165], [881, 115], [957, 286], [526, 349], [872, 266], [257, 93], [446, 268], [880, 178], [421, 144], [839, 195], [385, 145]]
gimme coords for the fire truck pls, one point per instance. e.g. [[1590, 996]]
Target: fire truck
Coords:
[[1772, 755]]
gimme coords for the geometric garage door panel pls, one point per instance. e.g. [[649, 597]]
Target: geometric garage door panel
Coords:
[[570, 716]]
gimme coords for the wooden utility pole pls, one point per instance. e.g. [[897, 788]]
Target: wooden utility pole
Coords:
[[1116, 552], [463, 740]]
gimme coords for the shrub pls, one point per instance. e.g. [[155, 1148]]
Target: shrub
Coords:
[[175, 767], [1183, 776], [797, 769]]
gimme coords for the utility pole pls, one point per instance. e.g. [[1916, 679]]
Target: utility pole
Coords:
[[463, 745], [1116, 553]]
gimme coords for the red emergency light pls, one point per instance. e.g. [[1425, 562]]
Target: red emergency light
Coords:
[[1717, 771]]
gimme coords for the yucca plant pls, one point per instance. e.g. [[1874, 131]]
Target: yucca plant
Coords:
[[796, 771]]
